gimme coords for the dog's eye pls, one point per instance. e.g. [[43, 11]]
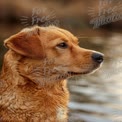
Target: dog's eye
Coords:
[[62, 45]]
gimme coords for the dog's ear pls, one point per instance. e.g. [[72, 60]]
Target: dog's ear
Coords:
[[26, 43]]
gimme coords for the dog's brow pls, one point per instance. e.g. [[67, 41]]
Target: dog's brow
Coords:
[[66, 33], [63, 39]]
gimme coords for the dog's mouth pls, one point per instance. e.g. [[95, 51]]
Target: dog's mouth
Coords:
[[71, 73], [78, 73]]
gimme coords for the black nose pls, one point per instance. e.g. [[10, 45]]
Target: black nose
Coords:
[[97, 57]]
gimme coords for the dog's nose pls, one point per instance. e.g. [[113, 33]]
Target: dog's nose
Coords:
[[97, 57]]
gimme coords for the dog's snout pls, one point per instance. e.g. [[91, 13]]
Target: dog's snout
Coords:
[[97, 57]]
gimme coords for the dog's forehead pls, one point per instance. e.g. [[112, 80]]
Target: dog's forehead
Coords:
[[52, 32], [61, 33]]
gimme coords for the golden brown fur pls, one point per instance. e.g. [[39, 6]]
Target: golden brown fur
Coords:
[[32, 82]]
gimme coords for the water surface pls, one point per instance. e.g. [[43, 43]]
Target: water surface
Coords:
[[98, 97]]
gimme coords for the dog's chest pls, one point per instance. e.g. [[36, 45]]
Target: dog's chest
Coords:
[[43, 107], [61, 114]]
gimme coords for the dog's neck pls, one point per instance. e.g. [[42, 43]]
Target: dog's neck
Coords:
[[9, 67]]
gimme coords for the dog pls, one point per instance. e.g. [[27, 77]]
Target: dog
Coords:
[[33, 86]]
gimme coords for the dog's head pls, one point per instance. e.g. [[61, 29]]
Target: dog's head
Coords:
[[51, 54]]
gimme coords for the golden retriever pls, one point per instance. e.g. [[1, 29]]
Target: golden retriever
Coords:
[[32, 82]]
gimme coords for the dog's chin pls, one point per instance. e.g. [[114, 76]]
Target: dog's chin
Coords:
[[71, 73], [89, 71]]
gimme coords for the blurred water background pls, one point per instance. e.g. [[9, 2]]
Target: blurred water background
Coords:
[[96, 97]]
